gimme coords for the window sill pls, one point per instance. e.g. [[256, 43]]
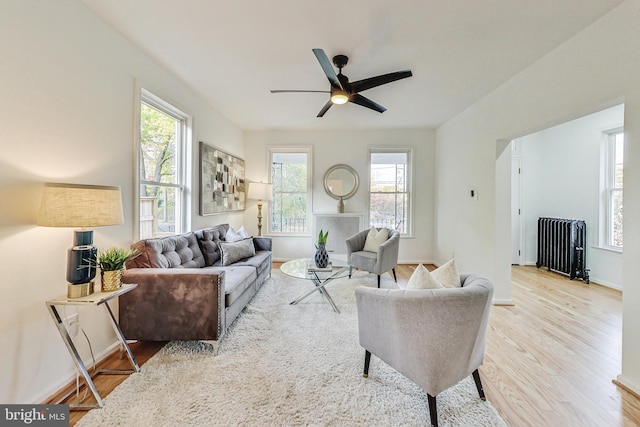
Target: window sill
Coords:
[[608, 249]]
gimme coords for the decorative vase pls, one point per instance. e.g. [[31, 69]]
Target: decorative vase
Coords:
[[111, 280], [321, 257]]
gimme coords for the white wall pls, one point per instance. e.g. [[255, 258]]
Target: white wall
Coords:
[[349, 147], [597, 68], [561, 179], [67, 115]]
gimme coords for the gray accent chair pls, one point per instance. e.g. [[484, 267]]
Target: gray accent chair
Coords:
[[434, 337], [374, 262]]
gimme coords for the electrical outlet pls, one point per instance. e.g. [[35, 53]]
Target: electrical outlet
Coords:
[[72, 324]]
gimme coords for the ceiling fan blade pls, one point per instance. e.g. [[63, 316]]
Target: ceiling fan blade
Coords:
[[325, 108], [309, 91], [366, 102], [362, 85], [327, 68]]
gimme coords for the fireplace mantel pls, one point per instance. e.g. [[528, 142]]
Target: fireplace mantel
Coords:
[[341, 226]]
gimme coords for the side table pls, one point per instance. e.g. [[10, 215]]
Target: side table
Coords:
[[95, 299]]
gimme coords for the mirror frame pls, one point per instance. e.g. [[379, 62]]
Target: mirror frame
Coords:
[[349, 169]]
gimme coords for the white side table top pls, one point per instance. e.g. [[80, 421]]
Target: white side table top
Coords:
[[95, 298]]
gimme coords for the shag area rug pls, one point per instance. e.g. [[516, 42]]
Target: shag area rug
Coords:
[[283, 365]]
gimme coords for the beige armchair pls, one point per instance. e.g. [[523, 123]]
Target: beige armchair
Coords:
[[434, 337], [374, 262]]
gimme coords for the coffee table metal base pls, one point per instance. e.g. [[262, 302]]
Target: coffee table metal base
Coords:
[[320, 287]]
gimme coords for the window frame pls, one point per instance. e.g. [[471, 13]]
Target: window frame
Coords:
[[609, 189], [409, 178], [271, 150], [182, 161]]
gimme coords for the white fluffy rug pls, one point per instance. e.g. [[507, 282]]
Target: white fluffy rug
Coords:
[[283, 365]]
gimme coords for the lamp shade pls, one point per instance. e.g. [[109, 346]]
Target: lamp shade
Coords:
[[73, 205], [260, 191]]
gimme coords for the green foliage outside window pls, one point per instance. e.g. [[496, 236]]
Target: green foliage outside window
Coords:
[[158, 133], [289, 207]]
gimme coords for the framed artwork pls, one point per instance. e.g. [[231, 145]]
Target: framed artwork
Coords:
[[222, 183]]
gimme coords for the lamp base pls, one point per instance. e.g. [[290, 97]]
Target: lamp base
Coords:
[[259, 218], [79, 290]]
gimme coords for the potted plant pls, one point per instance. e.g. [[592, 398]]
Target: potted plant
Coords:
[[112, 263], [322, 257]]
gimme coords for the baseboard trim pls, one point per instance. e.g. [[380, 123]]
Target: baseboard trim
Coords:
[[503, 302], [70, 381]]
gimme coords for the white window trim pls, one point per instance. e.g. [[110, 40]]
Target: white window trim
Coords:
[[607, 171], [183, 162], [410, 177], [293, 149]]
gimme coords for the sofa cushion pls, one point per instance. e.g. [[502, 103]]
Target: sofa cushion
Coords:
[[365, 260], [236, 251], [255, 261], [181, 251], [237, 281]]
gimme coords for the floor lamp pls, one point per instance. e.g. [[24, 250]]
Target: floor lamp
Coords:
[[72, 205], [260, 191]]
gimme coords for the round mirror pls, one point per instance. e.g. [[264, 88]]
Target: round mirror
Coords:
[[341, 182]]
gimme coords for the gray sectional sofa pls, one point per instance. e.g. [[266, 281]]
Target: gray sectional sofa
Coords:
[[191, 286]]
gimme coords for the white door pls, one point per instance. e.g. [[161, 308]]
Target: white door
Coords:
[[516, 210]]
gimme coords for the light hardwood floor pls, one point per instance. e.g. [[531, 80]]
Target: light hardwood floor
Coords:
[[549, 361], [551, 358]]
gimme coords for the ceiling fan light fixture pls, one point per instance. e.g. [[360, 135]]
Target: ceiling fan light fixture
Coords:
[[339, 97], [343, 91]]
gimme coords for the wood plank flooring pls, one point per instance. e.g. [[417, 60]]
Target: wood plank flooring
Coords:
[[550, 358]]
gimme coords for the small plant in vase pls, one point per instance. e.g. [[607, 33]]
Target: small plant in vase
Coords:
[[322, 257], [112, 263]]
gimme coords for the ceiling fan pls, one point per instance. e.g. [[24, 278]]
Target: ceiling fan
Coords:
[[343, 91]]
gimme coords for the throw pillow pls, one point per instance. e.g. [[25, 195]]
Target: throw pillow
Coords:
[[235, 251], [447, 274], [243, 232], [209, 246], [422, 279], [375, 238], [232, 236]]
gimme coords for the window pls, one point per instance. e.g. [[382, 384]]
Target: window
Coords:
[[290, 176], [613, 180], [161, 169], [389, 191]]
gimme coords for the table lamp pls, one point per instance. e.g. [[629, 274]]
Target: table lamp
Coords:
[[260, 191], [73, 205]]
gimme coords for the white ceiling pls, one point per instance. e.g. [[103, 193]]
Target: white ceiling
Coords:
[[233, 52]]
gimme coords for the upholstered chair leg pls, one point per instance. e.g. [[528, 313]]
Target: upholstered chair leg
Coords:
[[378, 280], [476, 378], [394, 274], [350, 269], [433, 412], [367, 360]]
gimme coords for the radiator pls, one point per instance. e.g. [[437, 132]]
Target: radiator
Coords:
[[562, 246]]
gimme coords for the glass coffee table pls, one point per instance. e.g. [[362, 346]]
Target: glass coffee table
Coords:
[[302, 268]]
